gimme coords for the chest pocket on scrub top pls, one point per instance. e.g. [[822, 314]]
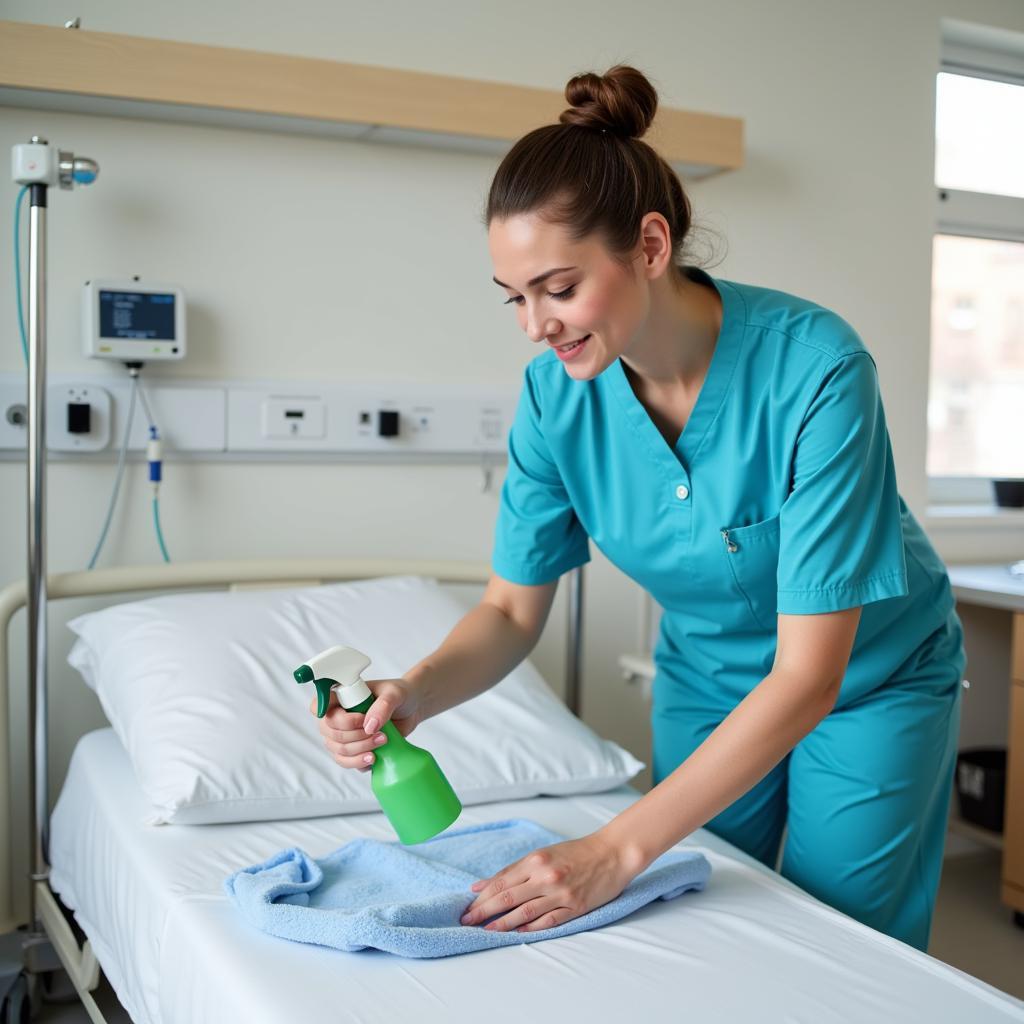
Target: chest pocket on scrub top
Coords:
[[751, 554]]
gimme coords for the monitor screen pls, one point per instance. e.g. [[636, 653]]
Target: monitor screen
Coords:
[[136, 315]]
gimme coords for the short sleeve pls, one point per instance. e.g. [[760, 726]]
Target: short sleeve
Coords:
[[538, 536], [840, 527]]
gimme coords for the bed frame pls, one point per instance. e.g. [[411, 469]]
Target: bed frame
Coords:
[[49, 941]]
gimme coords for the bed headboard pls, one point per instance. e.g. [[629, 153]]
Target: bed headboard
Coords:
[[209, 575]]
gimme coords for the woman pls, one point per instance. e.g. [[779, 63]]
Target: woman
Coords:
[[725, 446]]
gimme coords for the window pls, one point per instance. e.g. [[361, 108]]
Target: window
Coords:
[[976, 385], [978, 143], [976, 390]]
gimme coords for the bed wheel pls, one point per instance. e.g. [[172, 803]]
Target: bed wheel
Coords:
[[17, 1008]]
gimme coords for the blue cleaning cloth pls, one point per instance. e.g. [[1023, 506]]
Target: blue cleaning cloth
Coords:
[[408, 899]]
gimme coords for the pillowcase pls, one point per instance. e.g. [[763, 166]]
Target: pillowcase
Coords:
[[199, 689]]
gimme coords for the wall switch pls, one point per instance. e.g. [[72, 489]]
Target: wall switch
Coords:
[[387, 423]]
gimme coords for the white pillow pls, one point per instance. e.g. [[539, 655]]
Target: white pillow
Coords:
[[199, 689]]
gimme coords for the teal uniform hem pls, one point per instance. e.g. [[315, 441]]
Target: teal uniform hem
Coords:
[[842, 596], [532, 576]]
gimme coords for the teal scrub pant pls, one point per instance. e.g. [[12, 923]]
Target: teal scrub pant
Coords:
[[863, 798]]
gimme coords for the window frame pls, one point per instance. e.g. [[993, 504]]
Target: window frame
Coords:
[[977, 52]]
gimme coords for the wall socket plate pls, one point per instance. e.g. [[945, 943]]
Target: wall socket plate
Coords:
[[295, 417], [59, 397], [14, 416]]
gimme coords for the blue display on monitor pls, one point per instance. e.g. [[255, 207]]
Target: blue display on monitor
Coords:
[[138, 316]]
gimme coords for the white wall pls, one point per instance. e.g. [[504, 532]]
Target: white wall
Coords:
[[385, 249]]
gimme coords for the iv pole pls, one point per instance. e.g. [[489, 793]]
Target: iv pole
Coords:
[[37, 636], [38, 166]]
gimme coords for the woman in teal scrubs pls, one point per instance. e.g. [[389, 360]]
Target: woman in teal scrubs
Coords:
[[726, 447]]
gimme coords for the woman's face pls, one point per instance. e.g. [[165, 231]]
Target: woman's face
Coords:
[[572, 296]]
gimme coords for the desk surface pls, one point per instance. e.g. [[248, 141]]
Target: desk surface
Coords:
[[992, 586]]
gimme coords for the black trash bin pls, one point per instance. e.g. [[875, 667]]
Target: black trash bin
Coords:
[[981, 786]]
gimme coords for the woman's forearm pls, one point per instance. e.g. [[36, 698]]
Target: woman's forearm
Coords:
[[745, 746], [480, 651]]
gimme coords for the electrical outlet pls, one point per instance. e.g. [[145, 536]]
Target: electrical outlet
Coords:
[[78, 418], [298, 418]]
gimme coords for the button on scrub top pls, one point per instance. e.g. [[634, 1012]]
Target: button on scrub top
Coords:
[[779, 496]]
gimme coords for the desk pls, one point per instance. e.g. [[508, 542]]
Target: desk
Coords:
[[992, 586]]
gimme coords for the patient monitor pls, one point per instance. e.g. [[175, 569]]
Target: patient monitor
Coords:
[[132, 321]]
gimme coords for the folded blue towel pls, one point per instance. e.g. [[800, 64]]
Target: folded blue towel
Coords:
[[408, 899]]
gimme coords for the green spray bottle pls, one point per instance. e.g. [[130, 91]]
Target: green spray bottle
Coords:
[[412, 790]]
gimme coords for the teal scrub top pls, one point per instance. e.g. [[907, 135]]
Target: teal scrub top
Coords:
[[779, 496]]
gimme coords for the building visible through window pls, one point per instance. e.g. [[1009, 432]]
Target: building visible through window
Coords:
[[976, 393], [976, 387]]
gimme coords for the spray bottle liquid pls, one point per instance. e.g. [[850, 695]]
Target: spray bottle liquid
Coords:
[[412, 790]]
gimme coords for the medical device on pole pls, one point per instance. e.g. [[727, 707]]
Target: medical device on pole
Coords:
[[131, 321]]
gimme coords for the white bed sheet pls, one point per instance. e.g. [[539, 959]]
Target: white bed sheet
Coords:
[[752, 947]]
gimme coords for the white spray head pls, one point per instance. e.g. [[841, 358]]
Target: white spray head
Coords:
[[339, 669]]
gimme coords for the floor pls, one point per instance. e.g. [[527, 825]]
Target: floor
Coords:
[[973, 931]]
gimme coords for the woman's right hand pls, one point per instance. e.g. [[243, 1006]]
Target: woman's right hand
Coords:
[[352, 737]]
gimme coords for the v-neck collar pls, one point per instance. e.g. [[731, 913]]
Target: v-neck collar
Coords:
[[712, 392]]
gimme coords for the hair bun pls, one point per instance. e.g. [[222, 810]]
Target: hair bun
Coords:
[[622, 102]]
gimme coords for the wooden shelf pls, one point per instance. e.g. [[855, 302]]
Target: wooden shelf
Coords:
[[106, 73]]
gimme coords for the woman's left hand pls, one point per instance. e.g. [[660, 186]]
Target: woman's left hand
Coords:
[[552, 885]]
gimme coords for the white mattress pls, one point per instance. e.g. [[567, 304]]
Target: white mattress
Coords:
[[751, 947]]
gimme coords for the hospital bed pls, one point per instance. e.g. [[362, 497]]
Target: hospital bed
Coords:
[[151, 905]]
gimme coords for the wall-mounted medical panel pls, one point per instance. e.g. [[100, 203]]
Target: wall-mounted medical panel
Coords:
[[88, 414], [368, 419]]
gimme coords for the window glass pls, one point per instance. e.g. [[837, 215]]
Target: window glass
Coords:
[[976, 390], [979, 135]]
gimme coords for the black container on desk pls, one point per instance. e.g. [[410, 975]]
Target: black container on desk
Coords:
[[1009, 493], [981, 786]]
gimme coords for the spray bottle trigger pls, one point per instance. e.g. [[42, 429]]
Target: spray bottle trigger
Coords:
[[304, 674]]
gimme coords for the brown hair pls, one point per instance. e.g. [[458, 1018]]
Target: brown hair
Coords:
[[591, 171]]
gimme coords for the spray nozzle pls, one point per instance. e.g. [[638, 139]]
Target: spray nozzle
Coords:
[[338, 668]]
